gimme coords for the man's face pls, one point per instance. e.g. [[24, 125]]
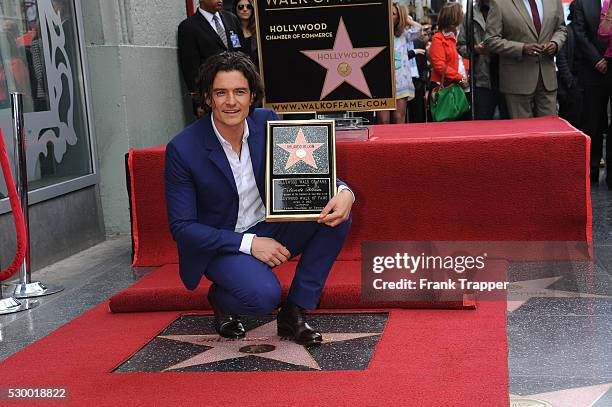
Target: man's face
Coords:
[[230, 99], [212, 6]]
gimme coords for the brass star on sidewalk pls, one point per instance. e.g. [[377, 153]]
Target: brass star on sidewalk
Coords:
[[261, 342], [527, 289]]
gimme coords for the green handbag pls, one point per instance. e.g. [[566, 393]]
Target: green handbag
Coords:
[[448, 103]]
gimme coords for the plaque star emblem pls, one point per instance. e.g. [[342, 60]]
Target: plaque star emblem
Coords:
[[343, 62], [528, 289], [260, 342], [300, 150]]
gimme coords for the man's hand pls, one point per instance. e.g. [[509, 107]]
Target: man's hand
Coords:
[[480, 49], [269, 251], [602, 66], [550, 49], [419, 51], [532, 49], [337, 209]]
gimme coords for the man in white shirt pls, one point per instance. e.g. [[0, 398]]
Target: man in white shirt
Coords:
[[214, 179]]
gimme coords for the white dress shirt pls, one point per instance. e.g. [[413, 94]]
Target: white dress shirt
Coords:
[[209, 17], [540, 9], [251, 209]]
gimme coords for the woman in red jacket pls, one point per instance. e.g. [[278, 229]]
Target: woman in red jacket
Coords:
[[445, 59], [13, 74]]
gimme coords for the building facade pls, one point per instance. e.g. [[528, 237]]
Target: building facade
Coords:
[[98, 78]]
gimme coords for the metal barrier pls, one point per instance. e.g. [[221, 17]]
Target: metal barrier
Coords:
[[25, 288]]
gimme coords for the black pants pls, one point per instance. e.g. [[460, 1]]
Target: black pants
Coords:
[[571, 103], [595, 117], [485, 103], [416, 107]]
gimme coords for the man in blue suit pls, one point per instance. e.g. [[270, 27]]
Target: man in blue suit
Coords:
[[214, 180]]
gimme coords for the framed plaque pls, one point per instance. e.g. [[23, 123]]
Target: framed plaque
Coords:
[[332, 55], [300, 169]]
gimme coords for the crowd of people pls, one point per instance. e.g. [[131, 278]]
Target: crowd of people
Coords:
[[525, 61]]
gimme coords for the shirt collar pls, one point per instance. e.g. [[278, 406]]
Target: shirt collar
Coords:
[[208, 15], [223, 141]]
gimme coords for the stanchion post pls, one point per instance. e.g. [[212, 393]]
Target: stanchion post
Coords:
[[25, 288], [21, 177]]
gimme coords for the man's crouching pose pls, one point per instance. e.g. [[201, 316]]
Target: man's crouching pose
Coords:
[[214, 180]]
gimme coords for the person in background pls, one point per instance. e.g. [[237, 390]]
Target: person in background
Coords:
[[417, 54], [404, 88], [13, 77], [605, 34], [527, 34], [246, 14], [210, 31], [487, 97], [445, 59], [592, 67], [569, 91]]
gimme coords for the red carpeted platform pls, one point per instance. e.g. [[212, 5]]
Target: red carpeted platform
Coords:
[[497, 180], [518, 180], [471, 348]]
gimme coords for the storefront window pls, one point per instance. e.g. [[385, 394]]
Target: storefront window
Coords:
[[40, 57]]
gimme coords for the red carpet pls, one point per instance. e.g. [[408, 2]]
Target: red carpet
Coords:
[[162, 290], [424, 358], [518, 180], [551, 125]]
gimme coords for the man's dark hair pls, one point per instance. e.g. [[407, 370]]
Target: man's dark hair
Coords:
[[227, 62]]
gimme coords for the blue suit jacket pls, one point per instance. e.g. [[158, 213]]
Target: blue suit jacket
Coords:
[[201, 194]]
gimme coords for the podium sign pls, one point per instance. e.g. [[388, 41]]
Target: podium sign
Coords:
[[300, 169], [326, 55]]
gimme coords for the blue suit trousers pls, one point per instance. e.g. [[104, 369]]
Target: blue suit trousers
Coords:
[[248, 286]]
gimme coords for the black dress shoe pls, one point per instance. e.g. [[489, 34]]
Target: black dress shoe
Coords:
[[290, 323], [227, 326]]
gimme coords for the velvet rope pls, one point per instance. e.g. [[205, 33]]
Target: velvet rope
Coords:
[[20, 228]]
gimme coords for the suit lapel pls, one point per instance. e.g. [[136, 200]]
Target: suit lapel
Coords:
[[479, 18], [520, 5], [256, 146], [203, 22], [549, 21], [217, 155]]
